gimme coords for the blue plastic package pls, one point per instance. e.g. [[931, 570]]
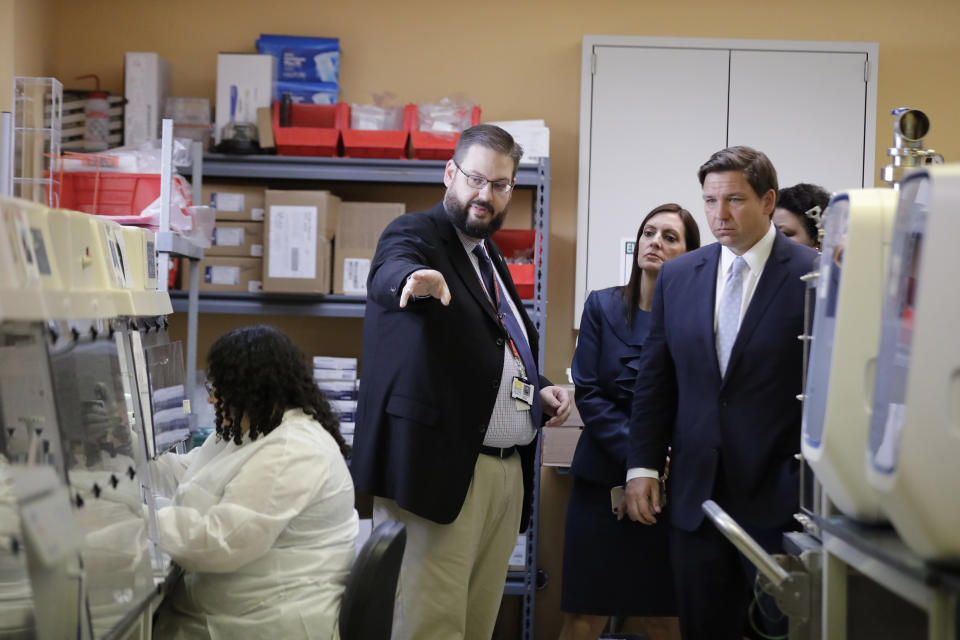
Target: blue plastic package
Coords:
[[307, 92], [303, 59]]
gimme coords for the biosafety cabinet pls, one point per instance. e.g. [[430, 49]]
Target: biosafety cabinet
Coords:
[[914, 439], [90, 391], [843, 352]]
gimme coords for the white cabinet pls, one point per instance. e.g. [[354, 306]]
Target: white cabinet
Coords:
[[652, 110]]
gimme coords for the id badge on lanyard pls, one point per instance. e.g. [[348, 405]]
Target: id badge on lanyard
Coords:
[[521, 390]]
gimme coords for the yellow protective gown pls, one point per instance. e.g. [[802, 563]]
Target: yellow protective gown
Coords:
[[264, 532]]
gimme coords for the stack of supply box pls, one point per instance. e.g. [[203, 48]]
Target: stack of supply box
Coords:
[[298, 248], [358, 231], [245, 83], [146, 85], [234, 261], [308, 69], [560, 442], [337, 378]]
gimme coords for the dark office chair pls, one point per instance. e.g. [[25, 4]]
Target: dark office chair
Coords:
[[366, 611]]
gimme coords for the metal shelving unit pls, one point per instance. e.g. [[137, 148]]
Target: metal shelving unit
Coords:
[[384, 171], [336, 306], [878, 553]]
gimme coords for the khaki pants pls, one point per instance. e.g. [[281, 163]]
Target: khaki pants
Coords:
[[452, 576]]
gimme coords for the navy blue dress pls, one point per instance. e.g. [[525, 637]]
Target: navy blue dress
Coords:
[[610, 567]]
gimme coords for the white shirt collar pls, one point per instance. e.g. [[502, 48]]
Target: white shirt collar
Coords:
[[756, 256], [467, 242]]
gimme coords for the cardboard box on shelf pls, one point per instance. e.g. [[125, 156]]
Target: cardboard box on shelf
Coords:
[[328, 375], [253, 76], [227, 274], [332, 362], [518, 558], [338, 389], [560, 442], [574, 419], [303, 58], [358, 230], [265, 128], [241, 203], [308, 92], [299, 226], [146, 85], [238, 239]]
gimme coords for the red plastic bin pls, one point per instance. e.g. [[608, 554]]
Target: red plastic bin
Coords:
[[108, 194], [519, 241], [434, 146], [361, 143], [314, 130]]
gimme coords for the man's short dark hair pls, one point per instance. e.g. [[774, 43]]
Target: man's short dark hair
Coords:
[[492, 137], [755, 166]]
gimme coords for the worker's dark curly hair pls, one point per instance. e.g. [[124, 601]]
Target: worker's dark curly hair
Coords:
[[259, 372]]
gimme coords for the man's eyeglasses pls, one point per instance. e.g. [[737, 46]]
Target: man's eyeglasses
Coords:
[[479, 182]]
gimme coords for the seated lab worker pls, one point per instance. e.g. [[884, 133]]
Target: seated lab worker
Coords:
[[261, 518]]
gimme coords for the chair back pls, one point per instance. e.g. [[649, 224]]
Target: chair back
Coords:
[[366, 611]]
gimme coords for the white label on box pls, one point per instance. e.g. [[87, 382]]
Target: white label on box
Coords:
[[332, 362], [254, 285], [256, 250], [293, 242], [518, 558], [355, 272], [336, 386], [222, 275], [226, 201], [256, 214], [343, 406], [334, 374], [228, 236]]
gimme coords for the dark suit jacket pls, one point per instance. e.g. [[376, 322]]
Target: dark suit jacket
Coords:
[[604, 369], [430, 373], [733, 439]]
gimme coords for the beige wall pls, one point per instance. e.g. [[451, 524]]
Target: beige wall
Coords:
[[7, 20], [518, 59], [26, 36]]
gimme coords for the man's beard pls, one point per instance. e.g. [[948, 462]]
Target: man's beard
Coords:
[[459, 214]]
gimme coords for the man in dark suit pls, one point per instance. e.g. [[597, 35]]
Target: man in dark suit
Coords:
[[451, 398], [719, 375]]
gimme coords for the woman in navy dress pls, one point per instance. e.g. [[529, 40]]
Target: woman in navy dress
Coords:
[[612, 566]]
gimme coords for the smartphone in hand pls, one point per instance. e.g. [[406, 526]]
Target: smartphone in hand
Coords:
[[616, 499]]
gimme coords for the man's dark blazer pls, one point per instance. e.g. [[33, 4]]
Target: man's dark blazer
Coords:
[[734, 439], [430, 374]]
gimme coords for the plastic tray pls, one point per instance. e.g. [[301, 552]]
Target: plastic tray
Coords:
[[361, 143], [314, 130], [110, 194], [435, 146], [524, 275]]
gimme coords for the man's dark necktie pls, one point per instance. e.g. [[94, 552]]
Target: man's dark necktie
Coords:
[[513, 329]]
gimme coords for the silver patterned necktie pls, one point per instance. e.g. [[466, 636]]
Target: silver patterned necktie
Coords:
[[728, 314]]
